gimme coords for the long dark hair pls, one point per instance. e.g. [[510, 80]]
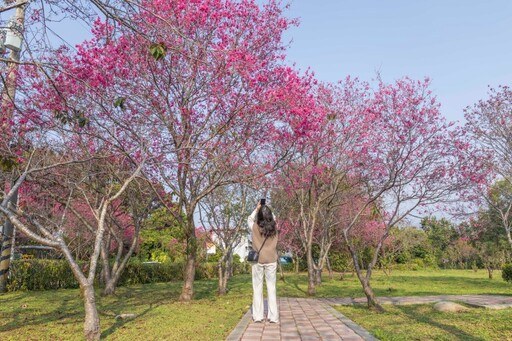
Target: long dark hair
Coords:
[[266, 222]]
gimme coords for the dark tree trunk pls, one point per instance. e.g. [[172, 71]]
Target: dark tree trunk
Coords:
[[7, 241]]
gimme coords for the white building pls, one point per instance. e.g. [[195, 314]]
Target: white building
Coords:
[[241, 248]]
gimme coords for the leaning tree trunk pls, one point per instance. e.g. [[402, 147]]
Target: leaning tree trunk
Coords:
[[364, 280], [367, 288], [370, 297]]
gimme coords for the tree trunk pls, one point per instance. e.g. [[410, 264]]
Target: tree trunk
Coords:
[[281, 270], [311, 273], [227, 276], [7, 241], [329, 268], [117, 270], [222, 276], [188, 278], [370, 297], [297, 264], [490, 272], [92, 321], [318, 276], [187, 290], [110, 288], [230, 265], [5, 258], [364, 280]]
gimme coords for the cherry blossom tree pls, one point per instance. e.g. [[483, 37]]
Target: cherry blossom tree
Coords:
[[210, 111], [489, 123], [42, 217], [412, 159], [316, 181]]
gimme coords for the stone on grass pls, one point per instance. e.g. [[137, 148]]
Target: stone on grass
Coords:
[[449, 307], [125, 316]]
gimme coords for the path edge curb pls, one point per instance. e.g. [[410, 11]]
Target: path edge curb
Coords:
[[351, 324], [240, 328]]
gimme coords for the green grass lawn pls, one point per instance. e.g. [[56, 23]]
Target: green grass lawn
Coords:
[[404, 283], [422, 322], [58, 315]]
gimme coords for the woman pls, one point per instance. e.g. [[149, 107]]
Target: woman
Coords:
[[264, 240]]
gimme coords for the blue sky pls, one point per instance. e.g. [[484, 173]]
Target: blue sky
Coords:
[[463, 46]]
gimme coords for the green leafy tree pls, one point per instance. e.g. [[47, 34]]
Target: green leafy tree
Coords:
[[489, 238], [441, 234], [405, 245], [163, 238]]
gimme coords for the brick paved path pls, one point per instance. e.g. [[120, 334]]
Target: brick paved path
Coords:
[[316, 319], [301, 319]]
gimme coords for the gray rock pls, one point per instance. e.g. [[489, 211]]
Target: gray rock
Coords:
[[449, 307], [125, 316]]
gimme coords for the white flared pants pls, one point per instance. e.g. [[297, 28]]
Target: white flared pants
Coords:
[[269, 271]]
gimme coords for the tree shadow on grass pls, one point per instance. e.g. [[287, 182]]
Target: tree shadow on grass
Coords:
[[119, 323], [441, 285], [26, 315], [448, 329], [291, 286]]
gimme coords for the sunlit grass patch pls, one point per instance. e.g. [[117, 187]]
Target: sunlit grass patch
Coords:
[[422, 322]]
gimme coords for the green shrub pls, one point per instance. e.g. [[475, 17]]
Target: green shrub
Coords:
[[214, 258], [45, 274], [241, 268], [340, 261], [506, 272], [40, 274], [206, 270], [137, 272]]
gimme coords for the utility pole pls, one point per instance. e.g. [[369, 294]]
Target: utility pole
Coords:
[[13, 42]]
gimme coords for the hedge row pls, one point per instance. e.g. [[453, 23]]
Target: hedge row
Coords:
[[45, 274], [40, 274]]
